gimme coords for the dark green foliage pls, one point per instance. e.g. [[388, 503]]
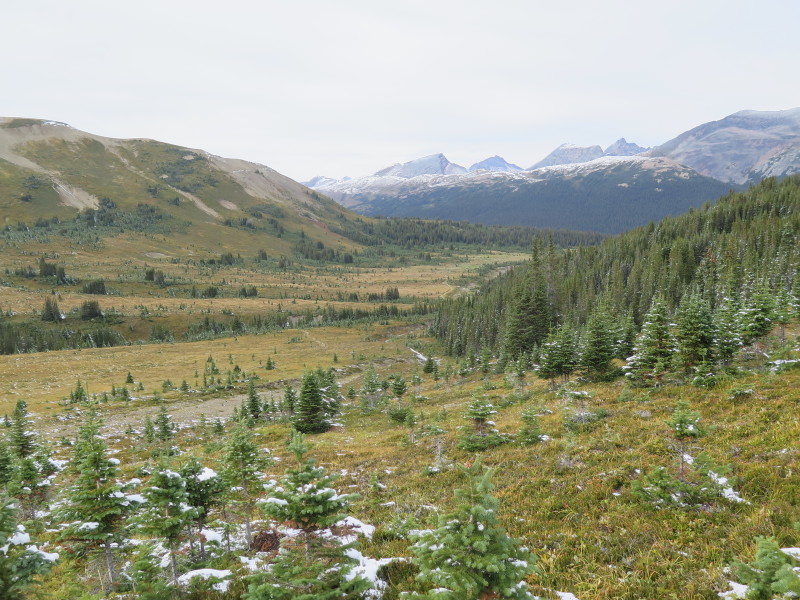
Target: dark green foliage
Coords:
[[769, 574], [23, 440], [164, 429], [598, 347], [314, 566], [253, 402], [50, 311], [97, 286], [744, 237], [655, 347], [244, 463], [310, 415], [166, 515], [95, 504], [90, 309], [558, 355], [470, 556], [18, 565], [530, 315], [204, 491]]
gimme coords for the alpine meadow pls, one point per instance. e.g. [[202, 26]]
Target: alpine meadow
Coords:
[[219, 384]]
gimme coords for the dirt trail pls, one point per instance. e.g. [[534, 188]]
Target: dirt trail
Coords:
[[183, 412]]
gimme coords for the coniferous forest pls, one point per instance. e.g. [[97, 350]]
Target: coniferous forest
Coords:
[[739, 253]]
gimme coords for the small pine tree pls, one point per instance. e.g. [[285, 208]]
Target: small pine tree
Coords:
[[755, 318], [163, 425], [310, 416], [314, 565], [149, 430], [399, 387], [166, 513], [95, 504], [244, 464], [770, 574], [694, 333], [685, 426], [727, 340], [531, 432], [598, 348], [204, 490], [655, 346], [20, 562], [470, 556], [51, 312], [253, 402], [23, 440]]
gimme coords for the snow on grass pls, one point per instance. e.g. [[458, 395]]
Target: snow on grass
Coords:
[[206, 574], [738, 590]]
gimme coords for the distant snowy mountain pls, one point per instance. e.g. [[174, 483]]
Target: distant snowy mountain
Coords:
[[435, 164], [569, 154], [741, 148], [494, 163], [624, 148]]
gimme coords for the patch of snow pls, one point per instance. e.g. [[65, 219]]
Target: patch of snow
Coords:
[[206, 574], [357, 526], [738, 590]]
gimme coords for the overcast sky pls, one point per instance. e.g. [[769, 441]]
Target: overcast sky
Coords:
[[346, 87]]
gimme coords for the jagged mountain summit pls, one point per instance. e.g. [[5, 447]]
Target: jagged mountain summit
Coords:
[[622, 147], [494, 163], [435, 164], [569, 154], [741, 148]]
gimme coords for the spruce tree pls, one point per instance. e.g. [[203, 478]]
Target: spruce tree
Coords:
[[314, 565], [558, 355], [289, 399], [95, 503], [469, 556], [685, 426], [244, 463], [204, 490], [756, 316], [6, 464], [310, 416], [531, 432], [598, 348], [694, 333], [770, 575], [163, 425], [23, 440], [253, 403], [20, 561], [166, 513], [656, 345], [727, 340]]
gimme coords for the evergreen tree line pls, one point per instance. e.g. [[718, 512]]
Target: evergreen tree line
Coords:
[[744, 245], [415, 233]]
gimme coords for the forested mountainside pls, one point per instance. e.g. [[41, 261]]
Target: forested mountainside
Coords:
[[743, 243]]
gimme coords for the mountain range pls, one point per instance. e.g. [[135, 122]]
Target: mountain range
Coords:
[[585, 187]]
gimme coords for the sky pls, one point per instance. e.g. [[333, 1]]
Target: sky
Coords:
[[347, 87]]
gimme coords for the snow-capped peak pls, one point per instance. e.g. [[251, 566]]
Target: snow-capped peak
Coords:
[[494, 163], [435, 164]]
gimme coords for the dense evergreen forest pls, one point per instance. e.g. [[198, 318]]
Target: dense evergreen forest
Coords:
[[735, 251]]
